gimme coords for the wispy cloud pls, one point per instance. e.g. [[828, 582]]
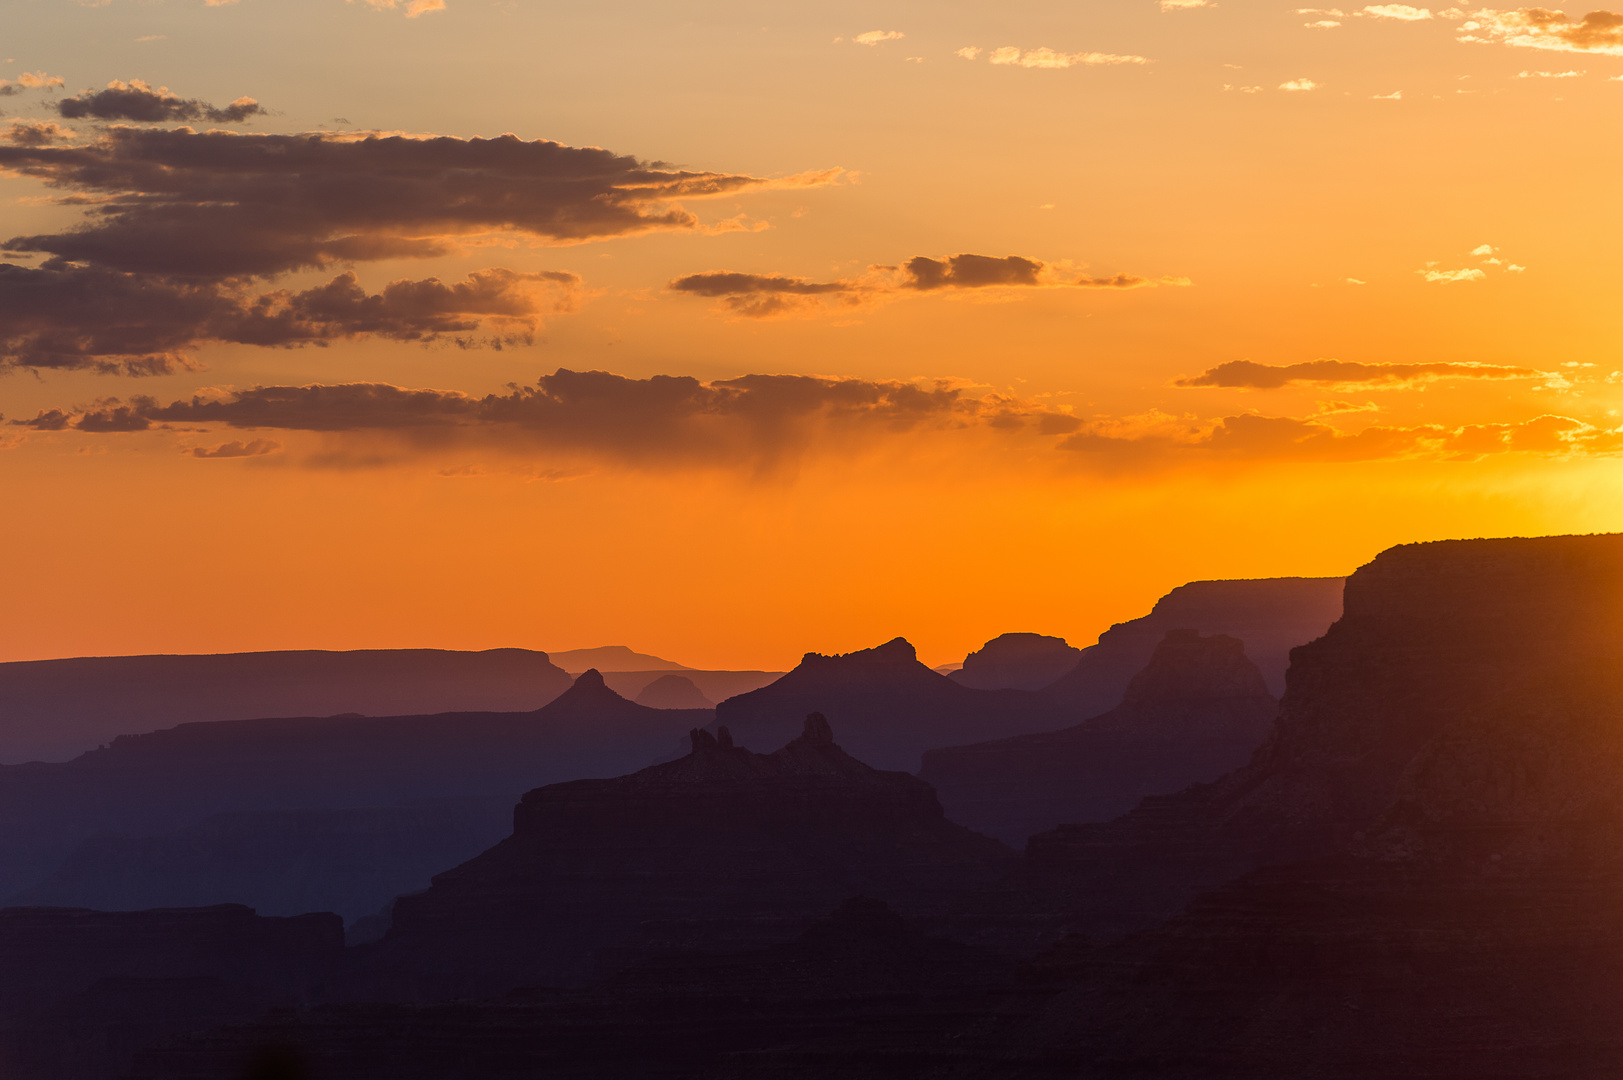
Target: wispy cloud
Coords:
[[1402, 12], [412, 8], [1047, 58], [764, 295], [1299, 85], [874, 37], [1184, 5], [1247, 374], [1469, 274]]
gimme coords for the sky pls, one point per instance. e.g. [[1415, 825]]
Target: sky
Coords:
[[731, 331]]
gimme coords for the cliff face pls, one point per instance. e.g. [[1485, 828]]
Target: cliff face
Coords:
[[154, 784], [53, 710], [1271, 615], [1017, 662], [1436, 641], [82, 991], [721, 846], [1196, 711], [890, 707]]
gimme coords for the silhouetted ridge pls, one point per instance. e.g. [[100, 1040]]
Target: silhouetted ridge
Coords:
[[54, 709], [1017, 662], [890, 708], [1196, 711], [1271, 615], [142, 787], [721, 847]]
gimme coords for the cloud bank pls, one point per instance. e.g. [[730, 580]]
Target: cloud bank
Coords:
[[179, 223], [1253, 376]]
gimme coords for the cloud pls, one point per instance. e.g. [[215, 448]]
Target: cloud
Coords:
[[1048, 58], [141, 103], [971, 272], [751, 422], [1540, 28], [1322, 24], [969, 52], [1452, 275], [1396, 95], [1547, 75], [222, 204], [1184, 5], [36, 133], [1401, 12], [66, 317], [1159, 439], [1299, 85], [1250, 375], [874, 37], [28, 80], [763, 295], [412, 8], [763, 423], [236, 449]]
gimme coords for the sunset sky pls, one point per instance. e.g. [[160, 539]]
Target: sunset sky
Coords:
[[730, 331]]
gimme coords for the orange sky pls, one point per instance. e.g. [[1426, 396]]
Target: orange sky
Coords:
[[989, 444]]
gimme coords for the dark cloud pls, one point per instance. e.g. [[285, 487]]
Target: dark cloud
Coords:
[[47, 420], [1250, 375], [82, 317], [762, 422], [756, 421], [36, 133], [971, 272], [235, 449], [221, 204], [142, 103], [760, 295]]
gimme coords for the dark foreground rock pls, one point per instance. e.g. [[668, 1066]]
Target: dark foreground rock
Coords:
[[1198, 710], [82, 991], [721, 848], [862, 993]]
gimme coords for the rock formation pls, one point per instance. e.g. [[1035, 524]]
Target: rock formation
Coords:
[[1198, 710], [890, 707], [1271, 615], [673, 692], [53, 710], [721, 847], [1435, 640], [157, 783], [1017, 662]]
